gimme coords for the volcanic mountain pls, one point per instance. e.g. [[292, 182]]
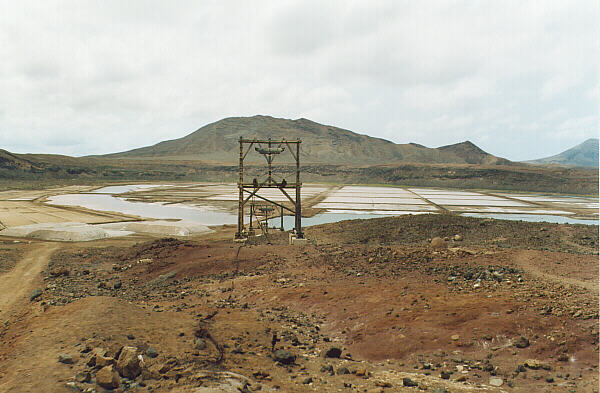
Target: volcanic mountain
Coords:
[[218, 142], [584, 154]]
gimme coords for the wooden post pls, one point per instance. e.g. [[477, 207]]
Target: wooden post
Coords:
[[298, 209], [240, 231]]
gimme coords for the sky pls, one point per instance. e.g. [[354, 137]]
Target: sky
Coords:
[[517, 78]]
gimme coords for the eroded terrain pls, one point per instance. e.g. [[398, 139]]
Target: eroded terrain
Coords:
[[365, 306]]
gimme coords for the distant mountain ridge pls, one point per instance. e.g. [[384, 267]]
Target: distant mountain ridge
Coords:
[[585, 154], [218, 142]]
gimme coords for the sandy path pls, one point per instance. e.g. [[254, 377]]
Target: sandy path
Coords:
[[523, 259], [18, 283]]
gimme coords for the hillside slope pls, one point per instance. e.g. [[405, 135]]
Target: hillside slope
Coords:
[[584, 154], [320, 144]]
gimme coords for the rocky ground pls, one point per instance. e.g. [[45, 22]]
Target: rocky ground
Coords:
[[430, 303]]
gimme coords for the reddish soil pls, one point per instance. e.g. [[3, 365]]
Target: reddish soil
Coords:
[[396, 307]]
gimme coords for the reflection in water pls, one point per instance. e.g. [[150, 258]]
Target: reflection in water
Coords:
[[110, 203]]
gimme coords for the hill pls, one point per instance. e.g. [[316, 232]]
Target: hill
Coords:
[[218, 142], [10, 161], [584, 154]]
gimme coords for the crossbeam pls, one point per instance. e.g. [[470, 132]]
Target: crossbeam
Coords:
[[246, 191]]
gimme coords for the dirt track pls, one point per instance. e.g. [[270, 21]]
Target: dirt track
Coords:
[[375, 289], [19, 282]]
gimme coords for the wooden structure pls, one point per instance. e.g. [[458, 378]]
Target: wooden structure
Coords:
[[269, 149]]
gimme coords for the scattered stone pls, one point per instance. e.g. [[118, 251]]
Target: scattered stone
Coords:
[[83, 376], [307, 381], [438, 243], [102, 361], [65, 358], [549, 379], [496, 381], [563, 357], [36, 293], [333, 352], [445, 375], [328, 368], [151, 352], [522, 342], [130, 336], [200, 344], [284, 357], [117, 285], [73, 386], [343, 371], [108, 378], [409, 382], [536, 364], [458, 238], [128, 364], [454, 337]]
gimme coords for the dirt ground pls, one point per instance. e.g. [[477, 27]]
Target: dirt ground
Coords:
[[507, 303]]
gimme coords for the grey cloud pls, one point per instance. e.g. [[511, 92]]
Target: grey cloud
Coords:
[[518, 78]]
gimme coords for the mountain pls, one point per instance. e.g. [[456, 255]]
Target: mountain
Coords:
[[218, 142], [584, 154]]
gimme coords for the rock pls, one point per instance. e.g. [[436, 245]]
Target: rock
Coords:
[[454, 337], [117, 285], [361, 372], [103, 361], [438, 243], [108, 378], [458, 238], [65, 358], [284, 357], [200, 344], [409, 382], [550, 379], [151, 352], [307, 381], [563, 357], [73, 386], [343, 371], [522, 342], [461, 378], [36, 293], [496, 381], [445, 375], [440, 390], [83, 376], [375, 390], [328, 368], [333, 352], [532, 364], [128, 364]]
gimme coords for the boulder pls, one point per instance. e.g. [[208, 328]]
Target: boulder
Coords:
[[128, 364], [284, 357], [438, 243], [496, 381], [108, 378], [36, 293], [65, 358], [333, 352], [522, 342]]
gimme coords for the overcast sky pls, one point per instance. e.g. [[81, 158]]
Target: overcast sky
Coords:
[[519, 79]]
